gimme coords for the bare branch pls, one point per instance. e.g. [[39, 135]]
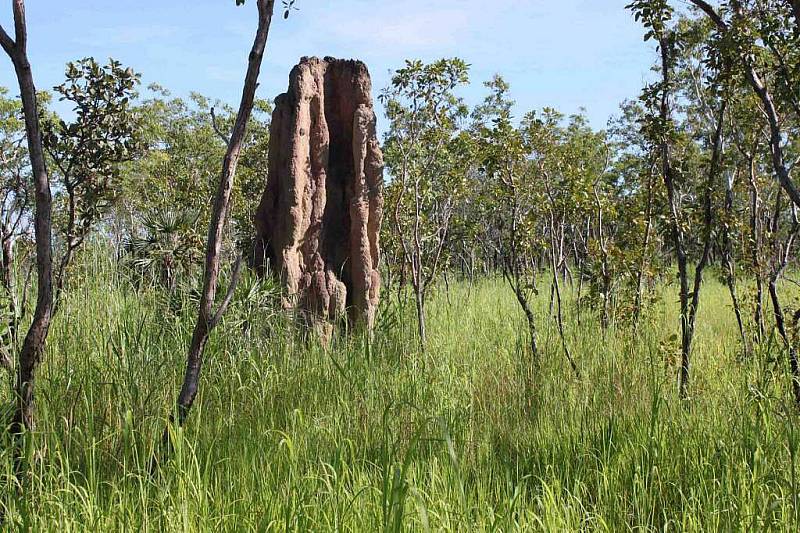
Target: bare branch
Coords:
[[7, 42], [706, 8], [217, 129], [237, 271]]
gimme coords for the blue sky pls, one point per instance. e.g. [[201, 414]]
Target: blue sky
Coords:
[[565, 54]]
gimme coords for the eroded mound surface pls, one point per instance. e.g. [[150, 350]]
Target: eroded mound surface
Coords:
[[319, 219]]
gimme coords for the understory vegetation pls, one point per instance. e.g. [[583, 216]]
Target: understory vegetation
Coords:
[[465, 435]]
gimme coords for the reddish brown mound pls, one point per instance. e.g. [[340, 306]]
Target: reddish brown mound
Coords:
[[319, 219]]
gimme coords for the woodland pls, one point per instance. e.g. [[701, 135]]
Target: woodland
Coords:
[[578, 329]]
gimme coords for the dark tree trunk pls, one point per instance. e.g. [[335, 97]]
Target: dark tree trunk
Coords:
[[207, 319], [560, 319], [755, 253], [675, 222], [530, 319], [780, 324], [690, 316], [33, 344]]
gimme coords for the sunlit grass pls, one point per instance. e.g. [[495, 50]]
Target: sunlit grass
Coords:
[[469, 435]]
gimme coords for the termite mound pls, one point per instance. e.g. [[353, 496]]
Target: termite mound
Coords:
[[318, 222]]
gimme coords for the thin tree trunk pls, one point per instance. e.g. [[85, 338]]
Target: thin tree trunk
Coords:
[[207, 320], [708, 216], [675, 222], [579, 270], [559, 315], [33, 345], [781, 254], [420, 302], [638, 302], [755, 238], [557, 243], [526, 308], [417, 276], [730, 266], [780, 323]]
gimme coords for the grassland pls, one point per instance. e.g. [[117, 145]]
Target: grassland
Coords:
[[466, 436]]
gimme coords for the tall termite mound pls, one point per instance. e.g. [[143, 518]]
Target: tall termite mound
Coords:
[[318, 223]]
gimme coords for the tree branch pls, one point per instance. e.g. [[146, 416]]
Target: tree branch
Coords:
[[217, 129], [782, 172], [20, 27], [205, 319], [706, 8], [7, 42], [237, 271]]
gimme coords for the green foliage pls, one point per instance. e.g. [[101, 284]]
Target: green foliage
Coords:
[[179, 169], [88, 152], [428, 154], [654, 15], [511, 193], [461, 433], [290, 436], [168, 248]]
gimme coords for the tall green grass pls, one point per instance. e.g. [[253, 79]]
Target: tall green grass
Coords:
[[468, 435]]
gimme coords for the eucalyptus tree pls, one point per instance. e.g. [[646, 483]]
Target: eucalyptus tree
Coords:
[[427, 153], [658, 126], [753, 163], [33, 344], [783, 232], [750, 26], [708, 89], [758, 41], [510, 200], [559, 174], [661, 128]]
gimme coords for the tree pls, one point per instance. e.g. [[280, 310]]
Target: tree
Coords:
[[563, 169], [764, 37], [15, 213], [208, 318], [660, 128], [427, 154], [88, 153], [510, 199], [738, 40], [30, 353]]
